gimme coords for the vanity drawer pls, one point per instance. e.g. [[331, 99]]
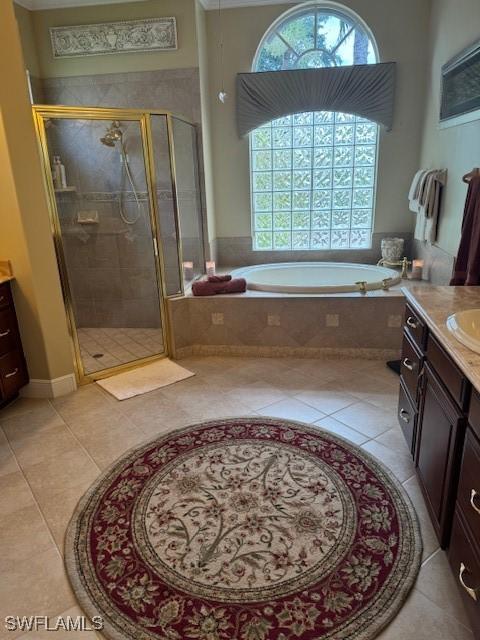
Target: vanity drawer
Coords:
[[5, 296], [410, 366], [465, 564], [13, 373], [474, 413], [407, 417], [451, 376], [8, 331], [415, 327], [468, 496]]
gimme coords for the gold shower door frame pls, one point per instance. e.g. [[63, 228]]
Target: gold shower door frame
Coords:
[[43, 113]]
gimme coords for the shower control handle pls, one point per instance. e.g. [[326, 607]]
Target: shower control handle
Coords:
[[404, 415], [412, 323], [408, 364]]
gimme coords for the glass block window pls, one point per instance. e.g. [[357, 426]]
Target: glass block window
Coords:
[[313, 175]]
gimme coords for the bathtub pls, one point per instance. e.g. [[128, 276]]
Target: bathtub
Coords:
[[316, 277]]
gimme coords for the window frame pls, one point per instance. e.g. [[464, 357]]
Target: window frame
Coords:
[[355, 19]]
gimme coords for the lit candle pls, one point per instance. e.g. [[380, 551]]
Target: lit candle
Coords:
[[188, 270], [210, 267], [417, 269]]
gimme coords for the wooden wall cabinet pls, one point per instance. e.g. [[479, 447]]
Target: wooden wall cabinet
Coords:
[[13, 369]]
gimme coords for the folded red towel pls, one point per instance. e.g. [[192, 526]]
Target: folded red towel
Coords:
[[225, 278], [205, 288]]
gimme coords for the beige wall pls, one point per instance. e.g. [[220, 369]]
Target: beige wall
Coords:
[[27, 35], [184, 56], [202, 43], [400, 29], [25, 235], [454, 26]]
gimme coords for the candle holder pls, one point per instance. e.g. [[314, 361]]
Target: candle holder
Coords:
[[417, 270], [187, 271]]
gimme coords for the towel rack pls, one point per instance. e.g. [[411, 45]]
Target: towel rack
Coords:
[[471, 174]]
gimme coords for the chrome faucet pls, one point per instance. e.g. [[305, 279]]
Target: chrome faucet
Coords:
[[362, 286]]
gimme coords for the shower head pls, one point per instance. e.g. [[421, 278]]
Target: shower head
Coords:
[[112, 135], [108, 141]]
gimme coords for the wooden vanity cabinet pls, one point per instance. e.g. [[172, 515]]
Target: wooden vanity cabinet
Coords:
[[411, 366], [464, 550], [13, 370], [440, 417], [432, 407], [440, 432], [415, 327]]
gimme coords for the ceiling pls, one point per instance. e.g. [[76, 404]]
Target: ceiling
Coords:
[[37, 5]]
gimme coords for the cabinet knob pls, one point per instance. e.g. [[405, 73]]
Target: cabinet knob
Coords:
[[408, 364], [412, 323], [5, 333], [11, 374], [404, 415], [471, 592], [474, 495]]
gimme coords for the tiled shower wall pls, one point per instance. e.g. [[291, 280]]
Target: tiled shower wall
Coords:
[[110, 264], [176, 90]]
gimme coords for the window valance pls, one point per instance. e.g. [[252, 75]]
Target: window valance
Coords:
[[365, 90]]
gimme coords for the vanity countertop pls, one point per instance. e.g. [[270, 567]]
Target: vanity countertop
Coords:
[[435, 305], [6, 273]]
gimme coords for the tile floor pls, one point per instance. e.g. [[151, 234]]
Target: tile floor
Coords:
[[106, 347], [50, 452]]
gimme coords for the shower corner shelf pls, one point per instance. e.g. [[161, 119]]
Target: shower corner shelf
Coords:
[[65, 190]]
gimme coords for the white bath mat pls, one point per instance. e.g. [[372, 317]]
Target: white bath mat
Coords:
[[144, 379]]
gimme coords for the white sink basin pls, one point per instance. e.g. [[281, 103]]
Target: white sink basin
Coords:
[[465, 326]]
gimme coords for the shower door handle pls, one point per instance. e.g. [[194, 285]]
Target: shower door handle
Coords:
[[155, 246]]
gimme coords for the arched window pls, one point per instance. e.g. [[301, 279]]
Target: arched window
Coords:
[[313, 175]]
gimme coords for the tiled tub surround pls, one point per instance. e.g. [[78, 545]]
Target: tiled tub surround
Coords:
[[238, 252], [345, 325], [438, 264], [51, 452]]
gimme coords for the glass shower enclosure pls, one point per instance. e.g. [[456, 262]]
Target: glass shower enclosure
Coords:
[[125, 205]]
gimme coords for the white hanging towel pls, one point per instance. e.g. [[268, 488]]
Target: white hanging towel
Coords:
[[413, 203], [429, 191]]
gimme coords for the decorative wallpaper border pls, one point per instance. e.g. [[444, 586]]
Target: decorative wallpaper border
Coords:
[[130, 36]]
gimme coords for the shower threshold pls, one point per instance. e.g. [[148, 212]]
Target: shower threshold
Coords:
[[106, 347]]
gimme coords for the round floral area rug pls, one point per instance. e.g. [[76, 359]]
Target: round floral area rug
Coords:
[[244, 529]]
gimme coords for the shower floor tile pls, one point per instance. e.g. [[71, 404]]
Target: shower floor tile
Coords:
[[104, 347]]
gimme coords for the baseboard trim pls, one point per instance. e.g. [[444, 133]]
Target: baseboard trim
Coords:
[[255, 351], [38, 388]]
